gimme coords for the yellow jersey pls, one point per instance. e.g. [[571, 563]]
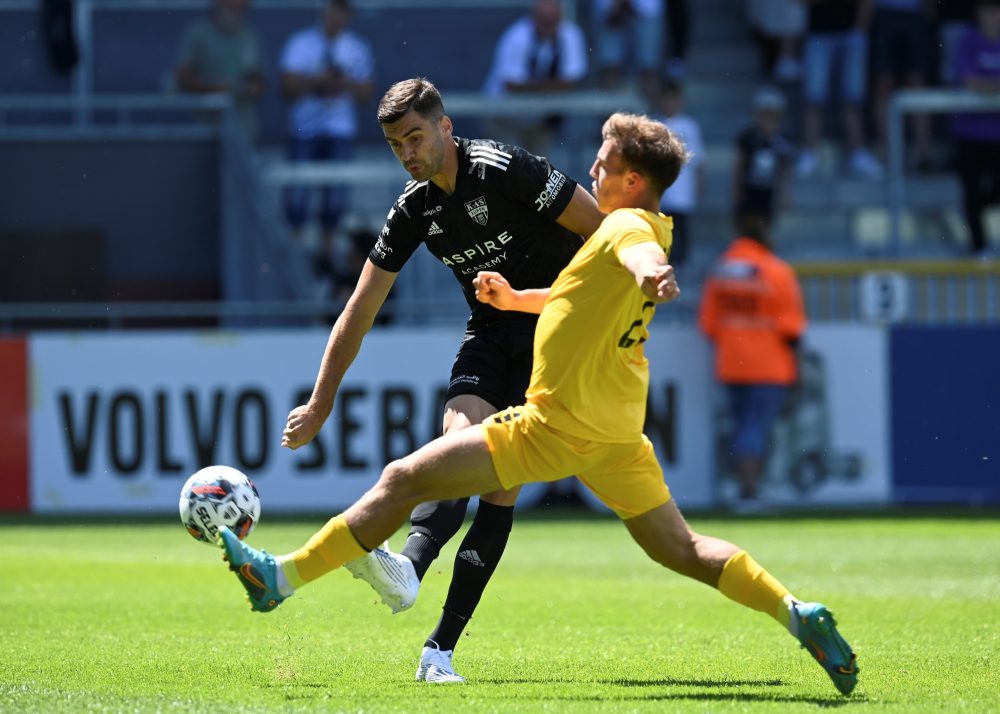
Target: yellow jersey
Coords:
[[590, 376]]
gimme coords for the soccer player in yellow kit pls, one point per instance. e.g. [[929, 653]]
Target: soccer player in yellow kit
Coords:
[[584, 414]]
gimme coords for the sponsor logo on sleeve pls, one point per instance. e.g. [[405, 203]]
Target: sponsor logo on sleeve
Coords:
[[382, 249], [552, 188]]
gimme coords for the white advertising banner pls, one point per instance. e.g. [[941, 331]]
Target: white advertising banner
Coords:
[[120, 420], [842, 417]]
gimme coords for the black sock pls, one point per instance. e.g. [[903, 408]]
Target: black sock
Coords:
[[477, 558], [421, 549], [447, 632], [434, 524]]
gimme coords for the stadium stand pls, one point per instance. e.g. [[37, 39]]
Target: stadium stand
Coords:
[[128, 49]]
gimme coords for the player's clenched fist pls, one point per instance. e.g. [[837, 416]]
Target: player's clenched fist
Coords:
[[304, 422], [493, 289], [660, 284]]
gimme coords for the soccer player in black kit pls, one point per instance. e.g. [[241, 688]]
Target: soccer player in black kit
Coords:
[[476, 205]]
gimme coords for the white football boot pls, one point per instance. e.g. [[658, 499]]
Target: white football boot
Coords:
[[391, 575], [435, 666]]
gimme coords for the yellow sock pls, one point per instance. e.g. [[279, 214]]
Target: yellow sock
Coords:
[[329, 548], [744, 581]]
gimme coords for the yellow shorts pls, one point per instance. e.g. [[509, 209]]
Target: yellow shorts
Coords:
[[626, 477]]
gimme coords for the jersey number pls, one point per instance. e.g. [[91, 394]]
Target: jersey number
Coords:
[[627, 340]]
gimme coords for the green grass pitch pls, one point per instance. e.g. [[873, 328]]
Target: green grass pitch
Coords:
[[140, 617]]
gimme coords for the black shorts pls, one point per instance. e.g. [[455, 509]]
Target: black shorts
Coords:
[[494, 364]]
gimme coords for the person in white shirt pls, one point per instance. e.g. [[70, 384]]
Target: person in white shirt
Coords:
[[540, 53], [326, 71], [681, 198]]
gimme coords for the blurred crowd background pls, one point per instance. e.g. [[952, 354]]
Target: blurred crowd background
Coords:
[[227, 150]]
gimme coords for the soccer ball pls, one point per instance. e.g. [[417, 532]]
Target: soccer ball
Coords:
[[219, 496]]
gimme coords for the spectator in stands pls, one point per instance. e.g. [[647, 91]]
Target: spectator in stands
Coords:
[[628, 34], [326, 71], [837, 44], [220, 54], [954, 18], [752, 311], [540, 53], [680, 199], [778, 27], [901, 47], [764, 158], [977, 136], [678, 25]]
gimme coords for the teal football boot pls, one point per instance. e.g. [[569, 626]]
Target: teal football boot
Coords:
[[256, 569], [817, 631]]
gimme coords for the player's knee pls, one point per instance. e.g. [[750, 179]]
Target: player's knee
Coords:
[[402, 482]]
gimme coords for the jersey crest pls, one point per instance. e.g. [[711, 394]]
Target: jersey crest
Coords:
[[478, 210]]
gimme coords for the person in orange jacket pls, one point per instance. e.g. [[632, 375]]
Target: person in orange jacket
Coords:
[[751, 310]]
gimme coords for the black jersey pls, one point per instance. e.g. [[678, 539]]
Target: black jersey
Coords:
[[501, 217]]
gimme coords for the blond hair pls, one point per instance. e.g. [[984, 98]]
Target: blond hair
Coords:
[[647, 147]]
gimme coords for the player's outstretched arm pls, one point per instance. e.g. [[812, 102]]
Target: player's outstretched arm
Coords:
[[305, 421], [648, 264], [493, 289]]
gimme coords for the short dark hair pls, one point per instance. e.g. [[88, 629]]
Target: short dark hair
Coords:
[[648, 147], [418, 94]]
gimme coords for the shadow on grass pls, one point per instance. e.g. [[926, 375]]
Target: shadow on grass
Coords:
[[662, 682], [826, 702], [726, 690], [672, 682], [831, 701]]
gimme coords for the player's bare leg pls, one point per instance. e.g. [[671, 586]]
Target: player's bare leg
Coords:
[[452, 466], [666, 537]]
